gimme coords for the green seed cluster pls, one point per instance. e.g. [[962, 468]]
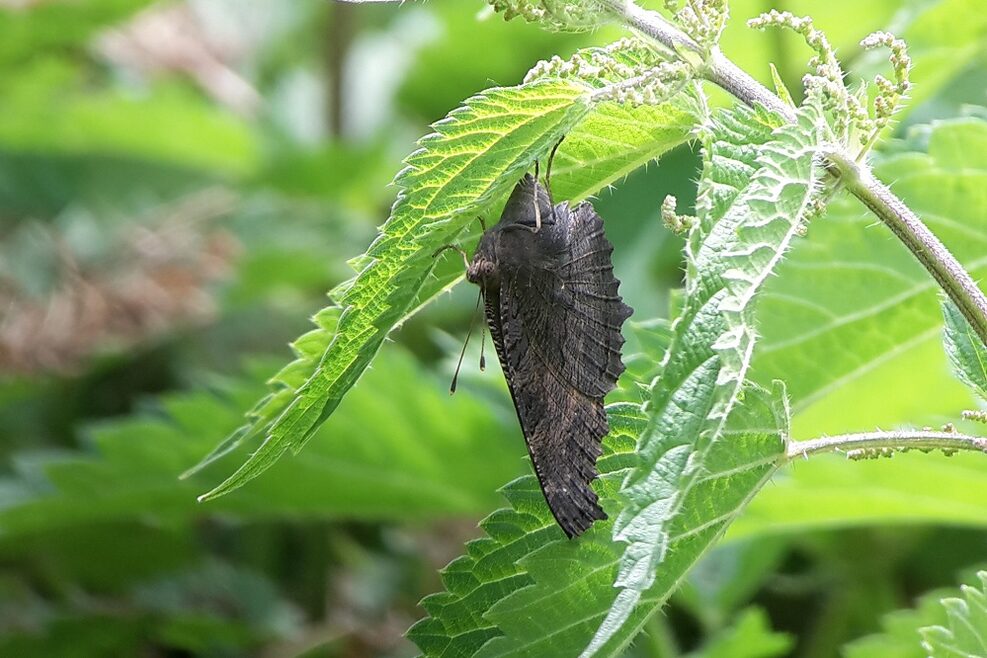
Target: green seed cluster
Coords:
[[653, 86], [674, 222], [624, 72], [855, 122], [890, 93], [703, 20], [561, 15], [622, 60]]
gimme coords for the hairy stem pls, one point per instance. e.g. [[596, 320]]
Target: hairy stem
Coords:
[[720, 70], [922, 242], [901, 440]]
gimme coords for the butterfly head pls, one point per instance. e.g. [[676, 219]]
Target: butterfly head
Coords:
[[482, 269]]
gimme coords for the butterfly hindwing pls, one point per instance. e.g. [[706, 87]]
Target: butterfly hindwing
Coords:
[[562, 426]]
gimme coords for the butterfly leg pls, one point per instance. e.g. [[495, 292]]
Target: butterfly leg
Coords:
[[455, 247]]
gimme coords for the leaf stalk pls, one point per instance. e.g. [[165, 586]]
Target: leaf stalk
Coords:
[[878, 442]]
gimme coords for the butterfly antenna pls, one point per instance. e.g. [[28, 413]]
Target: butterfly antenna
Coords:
[[548, 173], [483, 343], [462, 355], [537, 209]]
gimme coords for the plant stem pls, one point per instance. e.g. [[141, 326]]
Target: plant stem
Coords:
[[721, 71], [901, 440]]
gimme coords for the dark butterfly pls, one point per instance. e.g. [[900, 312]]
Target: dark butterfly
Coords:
[[551, 303]]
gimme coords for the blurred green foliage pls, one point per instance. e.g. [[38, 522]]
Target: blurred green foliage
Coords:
[[162, 238]]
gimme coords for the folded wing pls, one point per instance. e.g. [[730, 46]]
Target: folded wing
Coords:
[[561, 338]]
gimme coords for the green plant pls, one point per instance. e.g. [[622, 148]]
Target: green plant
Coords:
[[713, 426]]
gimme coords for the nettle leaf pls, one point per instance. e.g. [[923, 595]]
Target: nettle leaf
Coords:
[[947, 623], [749, 636], [966, 351], [965, 632], [751, 206], [472, 160], [428, 457], [848, 284], [617, 138], [899, 636], [525, 590]]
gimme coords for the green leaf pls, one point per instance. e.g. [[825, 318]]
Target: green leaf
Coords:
[[430, 456], [966, 351], [459, 170], [828, 492], [617, 138], [899, 636], [728, 577], [853, 315], [746, 224], [965, 632], [52, 106], [750, 636], [944, 624]]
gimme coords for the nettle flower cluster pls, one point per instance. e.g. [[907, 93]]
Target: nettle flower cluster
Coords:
[[562, 15], [856, 122], [627, 71], [703, 20], [638, 72]]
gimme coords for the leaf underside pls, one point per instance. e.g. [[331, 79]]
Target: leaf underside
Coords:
[[460, 171], [752, 203]]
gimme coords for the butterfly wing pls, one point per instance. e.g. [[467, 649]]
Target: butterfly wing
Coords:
[[556, 323], [572, 311]]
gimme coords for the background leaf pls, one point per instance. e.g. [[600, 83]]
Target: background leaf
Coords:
[[408, 464], [848, 285], [946, 623], [965, 630], [966, 351]]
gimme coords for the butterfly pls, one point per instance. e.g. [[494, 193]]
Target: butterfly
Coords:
[[551, 303]]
